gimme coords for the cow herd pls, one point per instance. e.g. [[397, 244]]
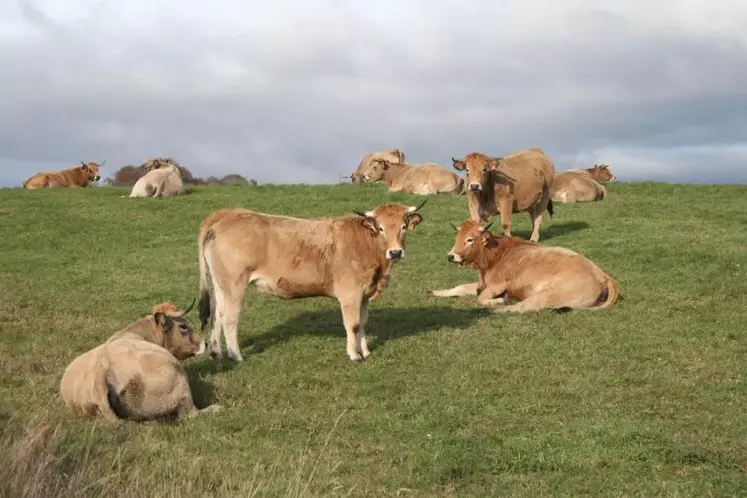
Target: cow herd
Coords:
[[137, 373]]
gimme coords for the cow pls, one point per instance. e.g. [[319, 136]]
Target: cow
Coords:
[[160, 182], [515, 183], [419, 179], [600, 173], [532, 276], [576, 186], [137, 373], [348, 258], [80, 176], [391, 155]]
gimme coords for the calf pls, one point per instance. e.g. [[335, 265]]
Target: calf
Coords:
[[535, 277], [419, 179], [137, 373], [518, 182], [80, 176], [160, 182], [576, 186], [348, 258]]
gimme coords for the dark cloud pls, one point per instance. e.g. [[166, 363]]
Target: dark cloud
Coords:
[[300, 95]]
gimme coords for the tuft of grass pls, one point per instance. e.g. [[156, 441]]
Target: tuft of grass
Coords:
[[646, 398]]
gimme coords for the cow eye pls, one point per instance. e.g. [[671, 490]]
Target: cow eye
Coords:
[[404, 227], [184, 328], [470, 240], [381, 229]]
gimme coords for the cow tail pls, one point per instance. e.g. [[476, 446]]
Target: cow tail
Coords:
[[612, 289], [550, 208], [206, 288]]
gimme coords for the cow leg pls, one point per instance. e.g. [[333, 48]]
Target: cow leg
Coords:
[[488, 295], [458, 291], [214, 346], [234, 302], [506, 208], [536, 213], [351, 317], [360, 336]]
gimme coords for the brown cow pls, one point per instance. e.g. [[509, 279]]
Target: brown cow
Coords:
[[80, 176], [137, 373], [576, 186], [515, 183], [419, 179], [347, 258], [535, 277], [391, 155]]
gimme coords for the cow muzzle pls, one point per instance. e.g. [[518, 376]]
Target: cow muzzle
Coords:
[[395, 254], [203, 348], [96, 178], [454, 258], [474, 187]]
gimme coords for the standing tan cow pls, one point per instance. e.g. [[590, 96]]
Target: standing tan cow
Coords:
[[534, 277], [347, 258], [521, 181], [80, 176], [391, 155], [137, 373], [419, 179]]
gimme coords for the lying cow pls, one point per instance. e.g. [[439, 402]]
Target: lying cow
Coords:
[[160, 182], [348, 258], [80, 176], [535, 277], [420, 179], [576, 186], [391, 155], [515, 183], [137, 373]]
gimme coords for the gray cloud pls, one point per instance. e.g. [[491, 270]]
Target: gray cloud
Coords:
[[298, 92]]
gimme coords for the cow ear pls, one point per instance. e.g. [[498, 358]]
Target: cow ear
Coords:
[[163, 321], [413, 220], [488, 240], [370, 223], [492, 163], [458, 165]]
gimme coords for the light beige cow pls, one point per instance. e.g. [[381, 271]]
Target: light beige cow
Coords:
[[419, 179], [137, 373], [391, 155], [576, 186], [348, 258], [531, 276], [161, 182], [519, 182]]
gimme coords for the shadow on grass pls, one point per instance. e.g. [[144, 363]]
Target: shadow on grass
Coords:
[[383, 323], [203, 393], [548, 232]]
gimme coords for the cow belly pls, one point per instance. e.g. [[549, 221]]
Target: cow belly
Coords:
[[288, 287]]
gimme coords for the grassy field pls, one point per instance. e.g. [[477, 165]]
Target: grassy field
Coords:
[[646, 399]]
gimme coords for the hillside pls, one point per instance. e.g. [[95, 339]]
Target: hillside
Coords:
[[647, 398]]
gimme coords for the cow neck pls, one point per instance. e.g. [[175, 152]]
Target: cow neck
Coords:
[[394, 171]]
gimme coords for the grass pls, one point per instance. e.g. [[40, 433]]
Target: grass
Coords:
[[645, 399]]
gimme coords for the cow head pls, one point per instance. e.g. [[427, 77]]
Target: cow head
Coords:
[[370, 161], [478, 167], [602, 172], [175, 333], [391, 222], [92, 169], [470, 240]]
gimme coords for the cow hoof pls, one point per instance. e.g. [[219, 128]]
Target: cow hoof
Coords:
[[216, 355], [235, 357]]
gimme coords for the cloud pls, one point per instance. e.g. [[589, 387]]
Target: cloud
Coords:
[[298, 91]]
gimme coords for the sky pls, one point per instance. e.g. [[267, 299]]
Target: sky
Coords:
[[297, 91]]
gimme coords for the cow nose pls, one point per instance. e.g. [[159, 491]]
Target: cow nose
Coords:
[[395, 253], [450, 257], [475, 187]]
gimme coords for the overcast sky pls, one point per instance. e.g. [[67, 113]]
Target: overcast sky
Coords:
[[298, 91]]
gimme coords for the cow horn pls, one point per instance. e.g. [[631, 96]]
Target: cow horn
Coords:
[[412, 209], [103, 163], [454, 227], [84, 164], [189, 308], [359, 213], [486, 227]]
